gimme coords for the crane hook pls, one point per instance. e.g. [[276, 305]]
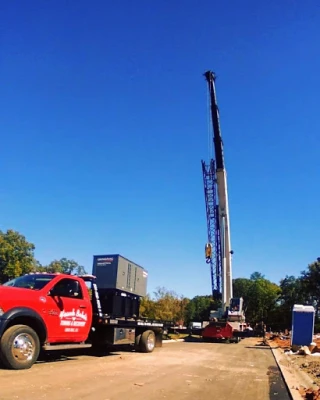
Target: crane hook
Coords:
[[208, 252]]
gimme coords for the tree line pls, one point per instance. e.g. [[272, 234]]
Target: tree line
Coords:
[[17, 258], [263, 300]]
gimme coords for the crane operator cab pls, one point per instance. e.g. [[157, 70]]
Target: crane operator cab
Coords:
[[235, 310]]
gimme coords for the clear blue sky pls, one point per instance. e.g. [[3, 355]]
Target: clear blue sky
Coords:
[[104, 123]]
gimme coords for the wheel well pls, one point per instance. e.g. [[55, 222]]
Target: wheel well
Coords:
[[33, 323], [156, 330]]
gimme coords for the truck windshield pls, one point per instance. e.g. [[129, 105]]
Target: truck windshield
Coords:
[[34, 282]]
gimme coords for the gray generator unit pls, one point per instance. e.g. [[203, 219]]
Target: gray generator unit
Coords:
[[116, 272]]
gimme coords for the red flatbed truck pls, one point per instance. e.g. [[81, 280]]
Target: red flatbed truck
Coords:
[[45, 311]]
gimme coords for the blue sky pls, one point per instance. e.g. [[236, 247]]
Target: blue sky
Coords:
[[104, 123]]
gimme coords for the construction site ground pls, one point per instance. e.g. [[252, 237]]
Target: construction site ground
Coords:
[[302, 371], [178, 370]]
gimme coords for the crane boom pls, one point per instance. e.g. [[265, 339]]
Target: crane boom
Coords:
[[227, 322], [223, 206]]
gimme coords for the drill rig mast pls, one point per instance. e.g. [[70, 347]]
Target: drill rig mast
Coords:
[[218, 249]]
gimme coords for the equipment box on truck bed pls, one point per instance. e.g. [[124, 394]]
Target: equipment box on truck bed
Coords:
[[116, 272]]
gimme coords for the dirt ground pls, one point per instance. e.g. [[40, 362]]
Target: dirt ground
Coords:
[[180, 371], [310, 364], [285, 342]]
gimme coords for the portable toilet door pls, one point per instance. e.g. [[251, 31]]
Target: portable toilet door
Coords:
[[302, 325]]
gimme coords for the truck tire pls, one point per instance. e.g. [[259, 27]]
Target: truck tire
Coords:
[[147, 342], [19, 347]]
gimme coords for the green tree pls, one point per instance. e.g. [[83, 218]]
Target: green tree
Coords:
[[38, 267], [310, 285], [199, 307], [292, 292], [167, 304], [16, 255], [262, 300], [260, 296], [241, 287], [256, 275], [66, 266], [148, 307]]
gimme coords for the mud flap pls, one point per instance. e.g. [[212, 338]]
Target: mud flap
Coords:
[[158, 339]]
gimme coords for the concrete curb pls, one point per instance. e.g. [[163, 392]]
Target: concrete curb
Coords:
[[292, 374]]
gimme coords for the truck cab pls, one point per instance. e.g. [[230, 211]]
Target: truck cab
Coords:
[[59, 305], [38, 309]]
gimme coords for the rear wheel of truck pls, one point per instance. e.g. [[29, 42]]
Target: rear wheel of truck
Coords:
[[147, 342], [19, 347]]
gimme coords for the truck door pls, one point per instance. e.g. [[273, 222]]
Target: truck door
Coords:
[[69, 312]]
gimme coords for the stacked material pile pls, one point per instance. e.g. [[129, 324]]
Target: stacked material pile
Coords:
[[280, 341]]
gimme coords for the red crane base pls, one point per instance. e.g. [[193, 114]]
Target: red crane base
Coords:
[[221, 331]]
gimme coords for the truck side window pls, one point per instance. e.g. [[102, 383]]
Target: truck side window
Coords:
[[67, 288]]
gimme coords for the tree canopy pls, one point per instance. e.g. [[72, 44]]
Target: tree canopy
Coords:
[[16, 255], [166, 305], [65, 266]]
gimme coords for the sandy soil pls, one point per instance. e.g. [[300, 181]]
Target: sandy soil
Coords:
[[180, 371], [309, 365]]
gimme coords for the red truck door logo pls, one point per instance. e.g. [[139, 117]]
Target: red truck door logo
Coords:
[[74, 318]]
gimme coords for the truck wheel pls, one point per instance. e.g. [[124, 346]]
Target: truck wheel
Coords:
[[19, 347], [147, 342]]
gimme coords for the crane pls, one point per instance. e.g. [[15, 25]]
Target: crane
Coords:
[[230, 317]]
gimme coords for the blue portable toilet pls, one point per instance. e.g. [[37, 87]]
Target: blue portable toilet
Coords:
[[302, 325]]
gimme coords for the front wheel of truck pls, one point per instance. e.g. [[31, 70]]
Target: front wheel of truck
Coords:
[[19, 347]]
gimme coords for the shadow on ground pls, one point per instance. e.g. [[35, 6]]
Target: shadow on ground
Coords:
[[260, 346], [71, 355], [277, 386], [191, 339]]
